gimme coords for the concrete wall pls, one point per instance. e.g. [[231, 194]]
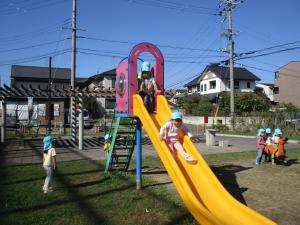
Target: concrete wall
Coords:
[[199, 120]]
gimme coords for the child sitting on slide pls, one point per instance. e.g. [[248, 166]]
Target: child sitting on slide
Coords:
[[170, 133]]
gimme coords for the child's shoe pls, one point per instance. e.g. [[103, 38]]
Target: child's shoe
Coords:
[[46, 191], [273, 161], [191, 159], [50, 189]]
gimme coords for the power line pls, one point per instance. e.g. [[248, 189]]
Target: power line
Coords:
[[188, 8], [29, 7], [166, 56], [269, 71], [124, 55], [270, 53], [159, 45], [269, 48], [34, 58], [33, 46], [51, 29]]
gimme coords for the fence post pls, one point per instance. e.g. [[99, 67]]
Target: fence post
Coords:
[[3, 122]]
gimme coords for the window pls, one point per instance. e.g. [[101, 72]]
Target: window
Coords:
[[248, 84], [189, 89], [236, 84], [212, 84], [113, 83], [198, 87], [276, 90], [121, 85], [276, 75], [201, 88], [101, 83], [110, 103], [194, 88], [204, 87]]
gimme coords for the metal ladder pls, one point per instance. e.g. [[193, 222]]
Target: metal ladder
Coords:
[[122, 144]]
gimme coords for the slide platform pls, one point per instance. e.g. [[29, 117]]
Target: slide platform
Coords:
[[203, 194]]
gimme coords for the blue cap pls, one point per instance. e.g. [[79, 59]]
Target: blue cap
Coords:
[[176, 115], [146, 66], [48, 142], [277, 131], [107, 136], [260, 131], [268, 131]]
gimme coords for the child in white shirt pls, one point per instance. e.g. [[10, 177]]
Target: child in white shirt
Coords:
[[170, 132]]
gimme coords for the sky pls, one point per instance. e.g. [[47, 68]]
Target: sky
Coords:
[[190, 35]]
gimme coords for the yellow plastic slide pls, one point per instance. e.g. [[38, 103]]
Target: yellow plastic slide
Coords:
[[203, 194]]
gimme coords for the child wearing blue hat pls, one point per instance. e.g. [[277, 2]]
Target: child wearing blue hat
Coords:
[[260, 145], [170, 133], [49, 162], [147, 87], [107, 142], [268, 141]]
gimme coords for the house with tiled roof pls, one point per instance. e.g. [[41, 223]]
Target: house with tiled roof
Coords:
[[105, 79], [215, 79], [37, 76]]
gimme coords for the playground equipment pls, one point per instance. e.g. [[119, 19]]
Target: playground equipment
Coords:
[[203, 194]]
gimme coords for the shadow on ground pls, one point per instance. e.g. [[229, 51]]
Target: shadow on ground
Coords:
[[227, 176]]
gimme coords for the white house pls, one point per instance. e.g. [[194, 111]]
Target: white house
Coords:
[[215, 79]]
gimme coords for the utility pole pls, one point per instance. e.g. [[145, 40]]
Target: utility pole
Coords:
[[73, 75], [229, 6], [231, 63], [50, 109]]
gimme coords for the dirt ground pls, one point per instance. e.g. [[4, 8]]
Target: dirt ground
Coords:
[[270, 190]]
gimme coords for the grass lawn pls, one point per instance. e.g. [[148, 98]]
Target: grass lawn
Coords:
[[85, 195]]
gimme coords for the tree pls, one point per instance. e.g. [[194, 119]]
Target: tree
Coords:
[[94, 107], [224, 104], [244, 103], [197, 106]]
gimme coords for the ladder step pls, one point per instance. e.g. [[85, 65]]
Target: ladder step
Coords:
[[120, 155], [123, 148], [126, 132], [123, 142], [126, 139], [122, 162], [128, 123]]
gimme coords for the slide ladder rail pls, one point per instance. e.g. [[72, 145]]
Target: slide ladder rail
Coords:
[[122, 144]]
